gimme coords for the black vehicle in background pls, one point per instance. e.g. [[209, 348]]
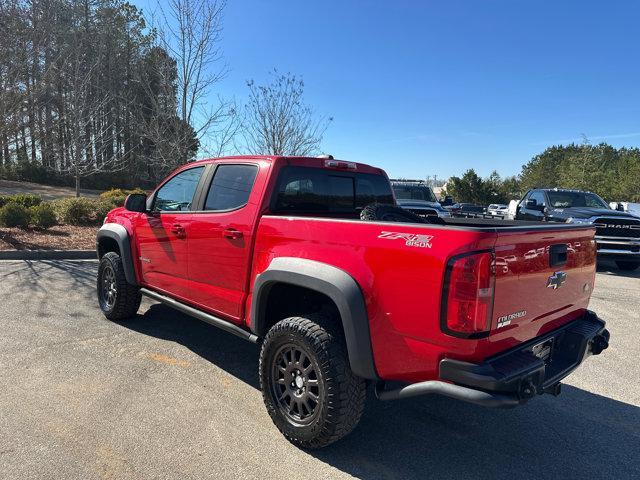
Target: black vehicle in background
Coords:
[[617, 233], [417, 197], [447, 201], [468, 210]]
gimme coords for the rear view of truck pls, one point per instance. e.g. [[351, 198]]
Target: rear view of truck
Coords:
[[538, 329]]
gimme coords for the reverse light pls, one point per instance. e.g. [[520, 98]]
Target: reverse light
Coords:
[[467, 303]]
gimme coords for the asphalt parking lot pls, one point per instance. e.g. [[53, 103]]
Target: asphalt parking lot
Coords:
[[165, 396]]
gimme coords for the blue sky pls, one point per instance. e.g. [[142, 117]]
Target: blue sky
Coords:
[[436, 87]]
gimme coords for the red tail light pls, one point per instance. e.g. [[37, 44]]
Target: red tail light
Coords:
[[467, 304]]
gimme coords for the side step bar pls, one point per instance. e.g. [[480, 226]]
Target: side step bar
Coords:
[[200, 315]]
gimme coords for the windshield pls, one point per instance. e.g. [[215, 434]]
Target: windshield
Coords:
[[414, 192], [575, 199]]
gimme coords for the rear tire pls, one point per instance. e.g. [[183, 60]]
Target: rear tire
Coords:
[[117, 298], [627, 265], [309, 390]]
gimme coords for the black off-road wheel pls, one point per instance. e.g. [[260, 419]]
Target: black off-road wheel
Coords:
[[118, 299], [627, 265], [309, 390]]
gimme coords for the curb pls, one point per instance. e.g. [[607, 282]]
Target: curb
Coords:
[[47, 254]]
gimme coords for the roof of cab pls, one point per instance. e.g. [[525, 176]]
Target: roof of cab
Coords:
[[293, 160]]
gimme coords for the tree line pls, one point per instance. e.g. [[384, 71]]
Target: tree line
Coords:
[[93, 92], [613, 173]]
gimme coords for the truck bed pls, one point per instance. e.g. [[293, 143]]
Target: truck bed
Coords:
[[401, 267]]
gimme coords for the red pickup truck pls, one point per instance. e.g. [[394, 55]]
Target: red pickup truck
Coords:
[[311, 258]]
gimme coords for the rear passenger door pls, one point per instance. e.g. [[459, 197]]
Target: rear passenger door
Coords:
[[221, 237]]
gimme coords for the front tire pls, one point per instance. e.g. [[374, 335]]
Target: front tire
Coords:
[[627, 265], [117, 298], [309, 390]]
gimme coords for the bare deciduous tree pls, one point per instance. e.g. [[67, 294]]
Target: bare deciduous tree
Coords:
[[191, 31], [85, 156], [278, 122]]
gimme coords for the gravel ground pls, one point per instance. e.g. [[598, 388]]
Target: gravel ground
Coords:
[[60, 237], [164, 396]]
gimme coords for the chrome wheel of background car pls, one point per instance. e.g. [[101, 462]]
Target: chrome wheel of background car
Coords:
[[295, 384], [108, 289]]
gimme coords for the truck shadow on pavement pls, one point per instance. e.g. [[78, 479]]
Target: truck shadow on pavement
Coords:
[[32, 275], [609, 268], [577, 435]]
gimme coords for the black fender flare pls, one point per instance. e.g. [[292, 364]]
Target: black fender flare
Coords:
[[117, 232], [331, 281]]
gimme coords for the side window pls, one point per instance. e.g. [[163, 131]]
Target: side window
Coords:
[[538, 197], [176, 195], [230, 187]]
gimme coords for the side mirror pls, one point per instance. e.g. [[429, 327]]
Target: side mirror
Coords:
[[136, 202], [532, 204]]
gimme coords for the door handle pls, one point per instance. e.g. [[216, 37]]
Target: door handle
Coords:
[[232, 233], [178, 230]]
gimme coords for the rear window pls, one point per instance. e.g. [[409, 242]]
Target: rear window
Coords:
[[414, 192], [312, 190], [560, 199]]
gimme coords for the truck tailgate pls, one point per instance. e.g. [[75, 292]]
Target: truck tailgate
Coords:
[[543, 279]]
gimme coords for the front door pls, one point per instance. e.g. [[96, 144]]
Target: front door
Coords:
[[533, 213], [221, 237], [162, 233]]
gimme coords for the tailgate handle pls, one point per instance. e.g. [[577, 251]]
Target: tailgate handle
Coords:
[[558, 254]]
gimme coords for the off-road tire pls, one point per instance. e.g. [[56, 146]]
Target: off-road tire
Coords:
[[341, 394], [627, 265], [379, 212], [125, 299]]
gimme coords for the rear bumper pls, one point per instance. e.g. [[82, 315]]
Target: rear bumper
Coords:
[[517, 375]]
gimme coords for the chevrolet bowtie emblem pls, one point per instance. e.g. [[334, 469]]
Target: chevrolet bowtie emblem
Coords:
[[556, 280]]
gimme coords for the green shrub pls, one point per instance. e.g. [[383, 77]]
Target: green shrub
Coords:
[[101, 210], [26, 199], [31, 172], [81, 211], [117, 196], [43, 216], [74, 211], [14, 215]]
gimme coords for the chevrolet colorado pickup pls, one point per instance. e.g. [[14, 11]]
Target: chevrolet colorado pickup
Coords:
[[617, 233], [310, 258]]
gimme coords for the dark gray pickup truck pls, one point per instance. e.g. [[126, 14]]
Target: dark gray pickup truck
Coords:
[[617, 233]]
